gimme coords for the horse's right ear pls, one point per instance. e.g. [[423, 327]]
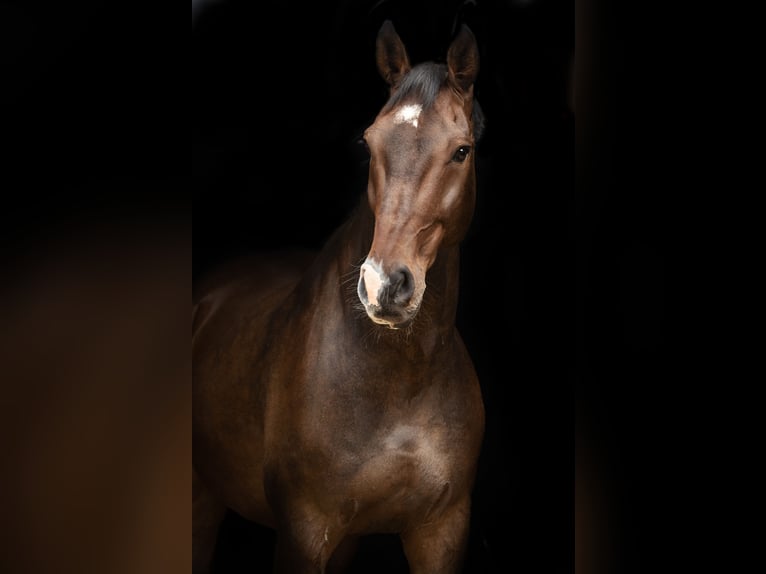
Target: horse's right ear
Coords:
[[391, 55], [463, 59]]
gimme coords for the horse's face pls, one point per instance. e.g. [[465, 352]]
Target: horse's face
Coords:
[[421, 190], [421, 185]]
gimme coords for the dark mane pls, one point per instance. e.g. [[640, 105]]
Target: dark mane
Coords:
[[422, 84]]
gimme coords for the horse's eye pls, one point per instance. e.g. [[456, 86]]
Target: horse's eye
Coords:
[[461, 153]]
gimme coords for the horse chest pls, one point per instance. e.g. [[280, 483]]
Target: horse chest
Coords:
[[408, 456], [382, 438], [407, 470]]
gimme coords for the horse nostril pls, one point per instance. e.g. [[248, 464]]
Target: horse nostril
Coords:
[[402, 285]]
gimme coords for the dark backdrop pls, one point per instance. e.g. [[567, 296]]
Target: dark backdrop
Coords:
[[564, 270], [280, 93]]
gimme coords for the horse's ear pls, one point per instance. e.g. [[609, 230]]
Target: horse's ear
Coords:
[[391, 55], [463, 59]]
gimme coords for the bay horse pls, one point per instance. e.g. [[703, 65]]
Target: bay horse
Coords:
[[333, 396]]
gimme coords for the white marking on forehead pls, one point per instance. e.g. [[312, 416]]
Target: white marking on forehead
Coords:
[[408, 114]]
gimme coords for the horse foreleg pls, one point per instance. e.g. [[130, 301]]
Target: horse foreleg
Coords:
[[344, 554], [438, 546], [305, 544], [207, 515]]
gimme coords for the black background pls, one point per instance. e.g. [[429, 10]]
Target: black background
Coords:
[[564, 269], [280, 93]]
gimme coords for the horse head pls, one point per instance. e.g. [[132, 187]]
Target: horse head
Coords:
[[421, 182]]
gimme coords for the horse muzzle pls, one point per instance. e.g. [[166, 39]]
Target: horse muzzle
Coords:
[[389, 298]]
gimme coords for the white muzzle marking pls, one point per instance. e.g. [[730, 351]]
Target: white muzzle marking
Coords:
[[372, 280]]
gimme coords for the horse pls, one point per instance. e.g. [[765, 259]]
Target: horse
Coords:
[[333, 395]]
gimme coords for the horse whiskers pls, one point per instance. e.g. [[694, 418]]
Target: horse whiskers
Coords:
[[350, 280], [351, 276]]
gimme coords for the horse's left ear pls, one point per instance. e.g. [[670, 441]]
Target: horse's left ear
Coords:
[[391, 55], [463, 59]]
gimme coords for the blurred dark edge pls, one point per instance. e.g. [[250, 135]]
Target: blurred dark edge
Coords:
[[95, 260]]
